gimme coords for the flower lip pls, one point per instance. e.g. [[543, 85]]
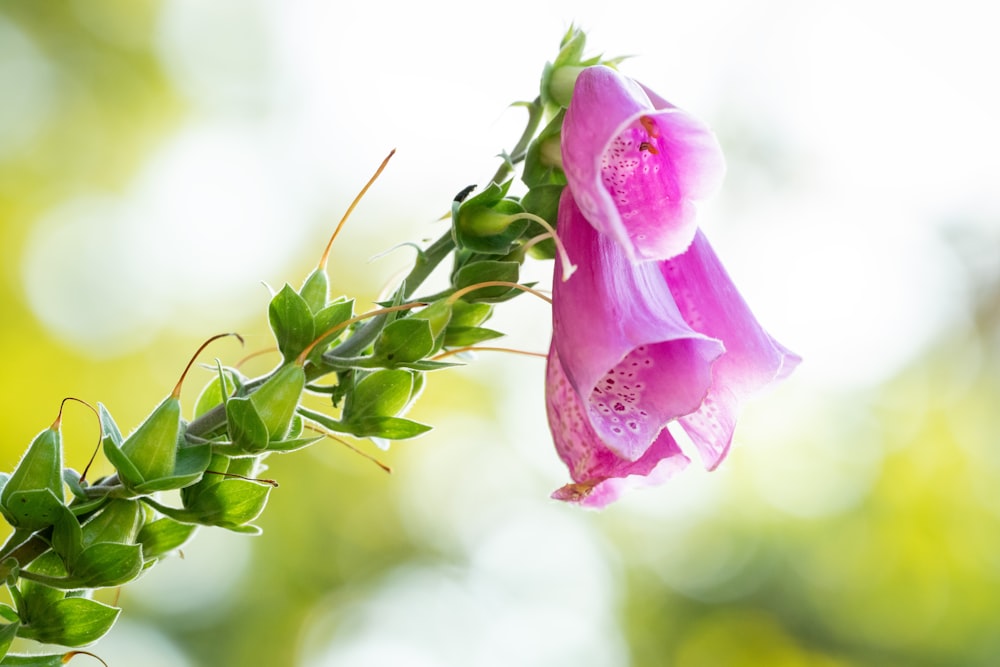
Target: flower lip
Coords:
[[636, 164]]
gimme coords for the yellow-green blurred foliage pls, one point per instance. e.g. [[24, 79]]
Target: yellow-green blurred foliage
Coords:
[[884, 552]]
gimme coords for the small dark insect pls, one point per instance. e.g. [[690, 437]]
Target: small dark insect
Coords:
[[460, 197]]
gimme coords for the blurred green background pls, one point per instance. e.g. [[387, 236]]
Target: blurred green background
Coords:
[[159, 160]]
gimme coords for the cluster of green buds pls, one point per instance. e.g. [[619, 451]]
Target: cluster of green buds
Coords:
[[370, 367]]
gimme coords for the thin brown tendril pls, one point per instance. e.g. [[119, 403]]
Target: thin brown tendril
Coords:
[[100, 431], [176, 393], [351, 447], [72, 654], [254, 355], [350, 209], [260, 480]]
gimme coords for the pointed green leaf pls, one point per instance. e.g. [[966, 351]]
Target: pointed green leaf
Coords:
[[465, 336], [70, 622], [152, 447], [246, 428], [277, 398], [7, 633], [383, 393], [487, 271], [33, 494], [164, 535], [465, 314], [389, 428], [405, 340], [291, 321], [326, 319], [213, 395], [283, 446], [107, 564], [315, 290]]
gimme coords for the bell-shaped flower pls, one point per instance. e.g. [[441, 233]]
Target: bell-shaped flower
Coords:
[[636, 164], [623, 363], [638, 345]]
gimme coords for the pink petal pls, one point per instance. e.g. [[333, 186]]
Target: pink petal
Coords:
[[636, 164], [624, 346], [711, 305], [599, 474]]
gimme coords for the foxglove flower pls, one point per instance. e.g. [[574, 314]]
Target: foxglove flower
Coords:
[[622, 364], [637, 345], [637, 165]]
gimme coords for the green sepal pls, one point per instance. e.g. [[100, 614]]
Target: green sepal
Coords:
[[32, 510], [404, 340], [213, 393], [277, 398], [7, 633], [72, 479], [382, 393], [388, 428], [71, 621], [293, 444], [291, 321], [465, 314], [543, 201], [372, 426], [487, 271], [247, 430], [328, 318], [119, 521], [438, 314], [465, 336], [93, 556], [230, 504], [152, 447], [543, 161], [33, 494], [164, 535], [488, 223], [315, 291]]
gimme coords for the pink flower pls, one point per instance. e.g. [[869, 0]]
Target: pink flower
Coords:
[[638, 345], [636, 164]]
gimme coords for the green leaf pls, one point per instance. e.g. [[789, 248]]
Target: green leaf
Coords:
[[329, 317], [229, 504], [277, 399], [212, 395], [7, 633], [31, 498], [465, 336], [316, 290], [284, 446], [70, 622], [152, 447], [382, 393], [247, 429], [164, 535], [291, 321], [465, 314], [389, 428], [119, 521], [405, 340], [487, 271], [107, 564]]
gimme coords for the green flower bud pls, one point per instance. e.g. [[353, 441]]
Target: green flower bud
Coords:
[[33, 495]]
